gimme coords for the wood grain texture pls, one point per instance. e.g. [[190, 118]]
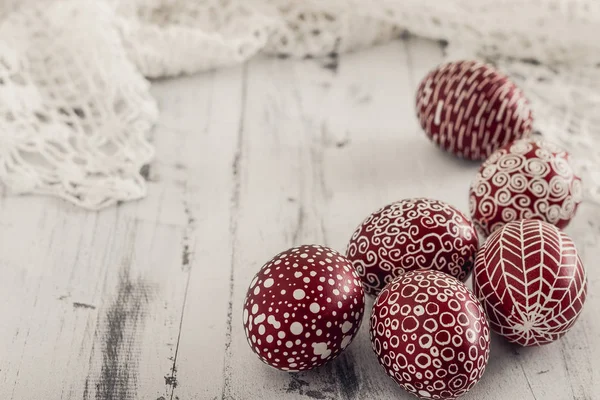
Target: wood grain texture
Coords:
[[144, 300]]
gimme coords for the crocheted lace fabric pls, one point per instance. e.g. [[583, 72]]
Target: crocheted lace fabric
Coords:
[[75, 108]]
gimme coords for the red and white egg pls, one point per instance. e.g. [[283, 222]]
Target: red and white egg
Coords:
[[303, 308], [430, 334], [527, 179], [470, 109], [412, 234], [530, 281]]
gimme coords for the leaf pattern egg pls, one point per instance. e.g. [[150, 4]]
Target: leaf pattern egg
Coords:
[[430, 334], [412, 234], [303, 308], [530, 281], [527, 179], [470, 109]]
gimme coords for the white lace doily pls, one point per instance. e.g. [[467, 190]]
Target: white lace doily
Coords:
[[75, 108]]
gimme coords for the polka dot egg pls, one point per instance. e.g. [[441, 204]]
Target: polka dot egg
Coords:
[[430, 334], [303, 308]]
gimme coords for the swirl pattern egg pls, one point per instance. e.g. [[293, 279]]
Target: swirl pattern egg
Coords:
[[527, 179], [412, 234]]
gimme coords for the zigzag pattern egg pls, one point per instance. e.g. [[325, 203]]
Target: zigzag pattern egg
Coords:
[[430, 334], [412, 234], [303, 308], [527, 179], [530, 281], [470, 109]]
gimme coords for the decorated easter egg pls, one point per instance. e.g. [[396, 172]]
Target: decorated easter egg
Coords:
[[527, 179], [303, 308], [430, 334], [470, 109], [412, 234], [530, 281]]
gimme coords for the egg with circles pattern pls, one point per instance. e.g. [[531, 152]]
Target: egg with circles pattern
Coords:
[[430, 334]]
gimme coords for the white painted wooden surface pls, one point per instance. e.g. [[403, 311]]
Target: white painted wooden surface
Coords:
[[144, 300]]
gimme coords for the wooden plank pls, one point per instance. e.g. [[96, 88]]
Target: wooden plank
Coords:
[[84, 292], [137, 321], [213, 175]]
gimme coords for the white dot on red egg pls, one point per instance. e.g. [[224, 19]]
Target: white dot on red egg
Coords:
[[412, 359], [312, 317], [470, 109]]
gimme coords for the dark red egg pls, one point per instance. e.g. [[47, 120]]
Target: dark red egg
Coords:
[[303, 308], [470, 109], [530, 281], [412, 234], [430, 334], [527, 179]]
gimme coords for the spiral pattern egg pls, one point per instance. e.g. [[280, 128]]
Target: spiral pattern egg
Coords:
[[430, 334], [470, 109], [530, 281], [412, 234], [527, 179], [303, 308]]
